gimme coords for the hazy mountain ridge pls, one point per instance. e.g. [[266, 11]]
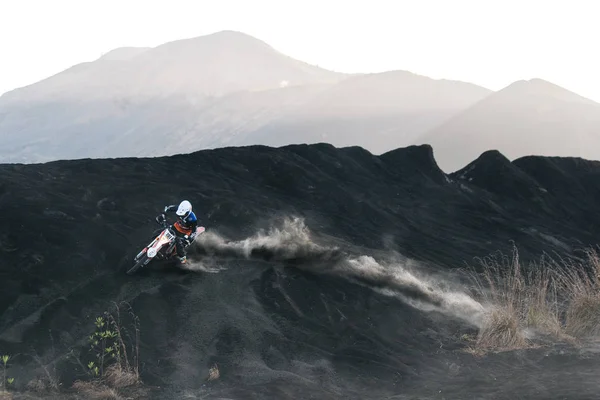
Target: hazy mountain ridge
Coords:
[[191, 94], [123, 53], [230, 89], [379, 112], [209, 65], [532, 117]]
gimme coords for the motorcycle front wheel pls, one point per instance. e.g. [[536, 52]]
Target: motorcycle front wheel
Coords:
[[138, 264]]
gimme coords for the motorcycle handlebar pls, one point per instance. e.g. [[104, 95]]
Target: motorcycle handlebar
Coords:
[[161, 219]]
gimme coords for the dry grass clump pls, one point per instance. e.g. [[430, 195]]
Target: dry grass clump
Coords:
[[501, 331], [540, 303], [117, 377], [96, 390], [582, 316], [41, 385], [213, 373], [560, 300], [37, 385]]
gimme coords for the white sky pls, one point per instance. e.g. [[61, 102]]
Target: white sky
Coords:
[[488, 42]]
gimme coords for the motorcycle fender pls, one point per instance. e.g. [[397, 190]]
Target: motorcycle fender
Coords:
[[151, 252]]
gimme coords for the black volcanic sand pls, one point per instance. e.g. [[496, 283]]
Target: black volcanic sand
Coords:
[[289, 316]]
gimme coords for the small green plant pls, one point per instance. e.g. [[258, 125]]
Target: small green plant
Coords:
[[5, 380], [104, 343], [111, 356]]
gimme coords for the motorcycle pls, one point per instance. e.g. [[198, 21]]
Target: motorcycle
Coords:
[[161, 248]]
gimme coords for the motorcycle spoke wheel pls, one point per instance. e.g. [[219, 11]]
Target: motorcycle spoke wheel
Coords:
[[137, 265]]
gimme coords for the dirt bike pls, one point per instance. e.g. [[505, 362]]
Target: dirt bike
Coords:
[[161, 248]]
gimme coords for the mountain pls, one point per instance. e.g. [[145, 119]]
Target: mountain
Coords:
[[209, 65], [223, 89], [325, 272], [154, 127], [532, 117], [124, 53], [379, 112]]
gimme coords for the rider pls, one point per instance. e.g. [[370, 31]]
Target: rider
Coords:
[[185, 227]]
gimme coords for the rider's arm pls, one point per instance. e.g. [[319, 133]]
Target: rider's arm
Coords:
[[170, 208], [193, 224]]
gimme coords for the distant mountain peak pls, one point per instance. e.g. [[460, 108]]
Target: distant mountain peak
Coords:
[[224, 37], [210, 65], [123, 53], [541, 87], [527, 117], [233, 34], [128, 52]]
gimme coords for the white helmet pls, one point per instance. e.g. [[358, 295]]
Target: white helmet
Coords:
[[185, 208]]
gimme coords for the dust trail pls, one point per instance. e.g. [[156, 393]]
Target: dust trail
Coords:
[[291, 243]]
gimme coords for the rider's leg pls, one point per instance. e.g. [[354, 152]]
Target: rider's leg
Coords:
[[180, 249]]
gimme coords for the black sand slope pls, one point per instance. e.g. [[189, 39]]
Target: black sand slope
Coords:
[[325, 273]]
